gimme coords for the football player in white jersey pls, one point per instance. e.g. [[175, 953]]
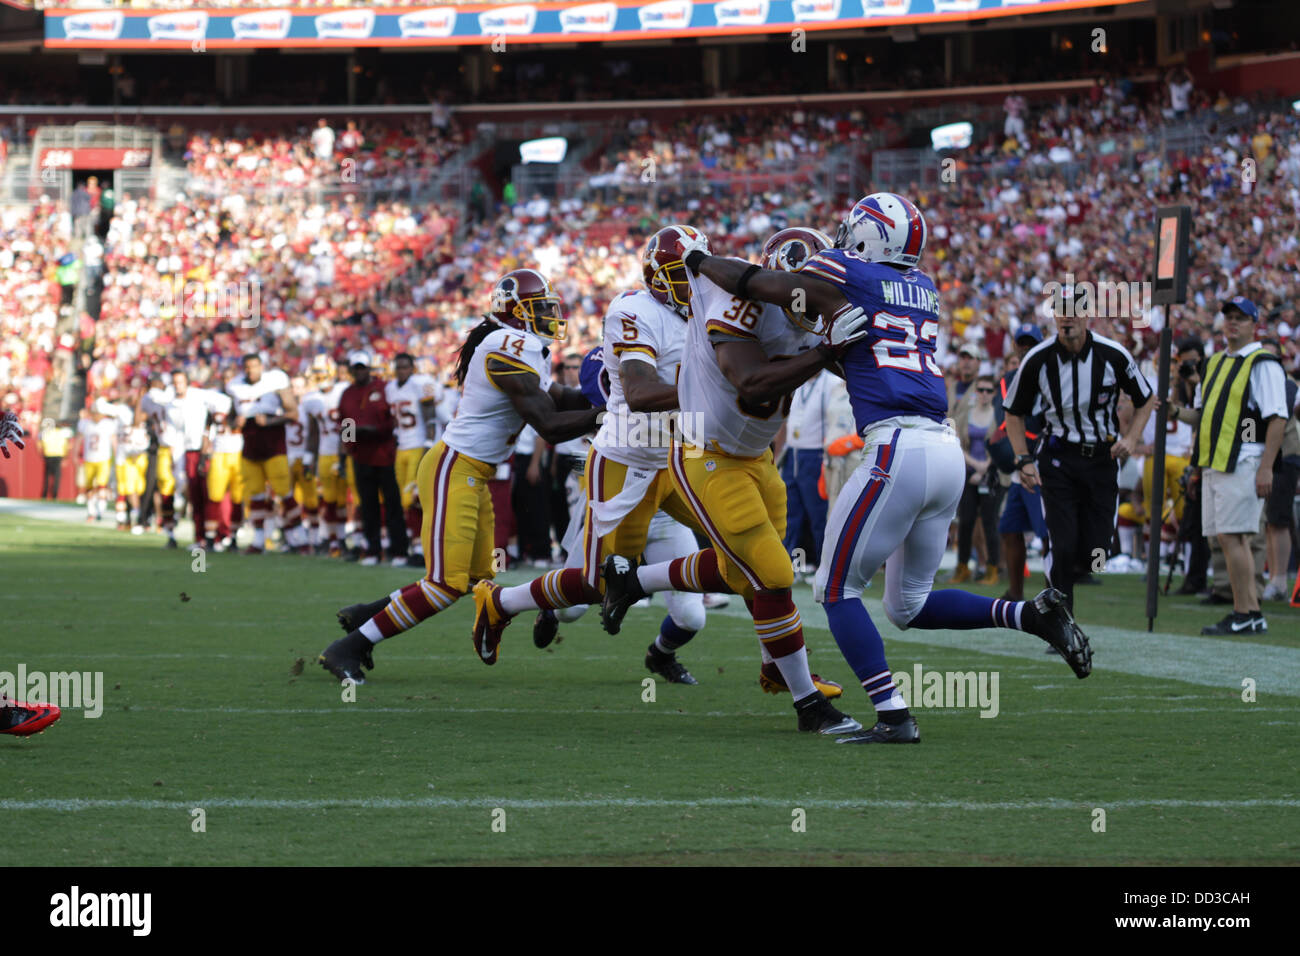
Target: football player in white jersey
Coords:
[[302, 450], [326, 433], [665, 539], [743, 360], [504, 370], [264, 406], [414, 400], [626, 476]]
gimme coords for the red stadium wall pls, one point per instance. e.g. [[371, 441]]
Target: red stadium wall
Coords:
[[21, 475], [1259, 74]]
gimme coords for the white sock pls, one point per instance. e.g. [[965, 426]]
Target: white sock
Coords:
[[570, 614], [371, 632], [654, 577], [794, 671], [518, 598], [1127, 539]]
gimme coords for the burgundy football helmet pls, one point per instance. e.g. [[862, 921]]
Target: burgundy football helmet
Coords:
[[788, 251], [663, 268], [525, 299]]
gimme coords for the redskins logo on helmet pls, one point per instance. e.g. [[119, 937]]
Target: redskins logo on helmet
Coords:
[[322, 370], [663, 268], [525, 299], [788, 251]]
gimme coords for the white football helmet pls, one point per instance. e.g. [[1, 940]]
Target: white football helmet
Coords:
[[884, 227]]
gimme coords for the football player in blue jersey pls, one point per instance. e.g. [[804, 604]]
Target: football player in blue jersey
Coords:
[[896, 508]]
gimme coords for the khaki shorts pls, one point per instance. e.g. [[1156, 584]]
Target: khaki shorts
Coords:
[[1229, 504]]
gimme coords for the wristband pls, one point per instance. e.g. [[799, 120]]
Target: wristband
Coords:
[[693, 260], [1022, 460], [742, 287]]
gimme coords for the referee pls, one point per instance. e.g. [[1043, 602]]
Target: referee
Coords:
[[1078, 376]]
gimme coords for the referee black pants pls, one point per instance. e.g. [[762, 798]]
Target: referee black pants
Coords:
[[1080, 496]]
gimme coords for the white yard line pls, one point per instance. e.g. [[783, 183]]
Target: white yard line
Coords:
[[649, 803]]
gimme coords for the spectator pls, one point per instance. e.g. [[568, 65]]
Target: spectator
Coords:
[[982, 498], [55, 439]]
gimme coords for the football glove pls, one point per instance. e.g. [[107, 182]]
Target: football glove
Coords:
[[848, 325], [10, 431], [697, 244]]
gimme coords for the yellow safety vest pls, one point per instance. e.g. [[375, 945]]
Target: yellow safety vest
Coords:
[[1224, 416]]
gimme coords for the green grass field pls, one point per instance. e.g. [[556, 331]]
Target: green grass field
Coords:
[[206, 708]]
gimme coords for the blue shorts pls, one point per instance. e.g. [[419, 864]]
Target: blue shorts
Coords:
[[1023, 512]]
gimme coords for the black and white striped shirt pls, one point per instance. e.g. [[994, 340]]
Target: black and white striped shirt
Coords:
[[1080, 392]]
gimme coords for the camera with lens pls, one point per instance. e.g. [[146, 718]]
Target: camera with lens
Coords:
[[1187, 369]]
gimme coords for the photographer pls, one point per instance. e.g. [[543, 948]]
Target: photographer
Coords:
[[1189, 362], [1241, 401]]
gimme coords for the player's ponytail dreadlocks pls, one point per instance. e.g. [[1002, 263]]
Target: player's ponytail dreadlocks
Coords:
[[466, 353]]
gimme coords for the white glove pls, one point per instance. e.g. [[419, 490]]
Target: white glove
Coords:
[[847, 326], [698, 244], [10, 431]]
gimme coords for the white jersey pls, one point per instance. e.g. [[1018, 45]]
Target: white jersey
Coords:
[[407, 404], [713, 415], [486, 425], [638, 328], [189, 413], [327, 419], [311, 405], [97, 439], [168, 417], [1178, 440], [258, 398]]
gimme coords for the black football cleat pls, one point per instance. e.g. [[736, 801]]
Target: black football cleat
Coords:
[[622, 590], [346, 656], [353, 616], [1236, 623], [545, 628], [1055, 624], [883, 733], [667, 666], [818, 715]]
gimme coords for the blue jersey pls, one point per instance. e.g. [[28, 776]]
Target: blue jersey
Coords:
[[593, 379], [893, 370]]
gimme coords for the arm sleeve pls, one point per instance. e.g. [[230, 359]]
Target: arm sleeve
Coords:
[[1268, 389]]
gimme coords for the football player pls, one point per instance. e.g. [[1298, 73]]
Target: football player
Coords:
[[896, 508], [223, 447], [17, 718], [264, 405], [333, 482], [97, 430], [414, 400], [301, 446], [504, 372], [742, 362], [132, 453], [166, 419], [665, 539], [626, 474]]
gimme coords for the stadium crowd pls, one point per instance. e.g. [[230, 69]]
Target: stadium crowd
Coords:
[[1063, 190]]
